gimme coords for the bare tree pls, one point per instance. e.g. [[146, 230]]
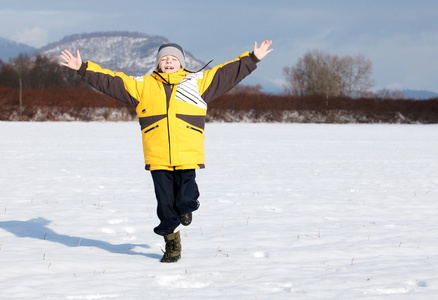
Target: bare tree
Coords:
[[319, 73], [355, 73], [45, 72], [9, 77]]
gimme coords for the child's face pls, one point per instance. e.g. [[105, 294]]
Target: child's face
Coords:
[[169, 64]]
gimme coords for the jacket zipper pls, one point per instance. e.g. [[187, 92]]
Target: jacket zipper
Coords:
[[168, 125], [195, 129], [146, 131]]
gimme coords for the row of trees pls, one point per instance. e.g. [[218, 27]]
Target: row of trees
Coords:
[[40, 72], [89, 105], [316, 73], [319, 73]]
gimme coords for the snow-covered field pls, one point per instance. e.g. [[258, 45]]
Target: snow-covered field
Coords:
[[288, 211]]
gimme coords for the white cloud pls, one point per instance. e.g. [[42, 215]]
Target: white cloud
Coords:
[[35, 37]]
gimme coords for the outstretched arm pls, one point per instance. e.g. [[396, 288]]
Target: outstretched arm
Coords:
[[262, 51], [116, 85], [70, 61]]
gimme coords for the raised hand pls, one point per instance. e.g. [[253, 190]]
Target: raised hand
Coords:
[[262, 51], [70, 61]]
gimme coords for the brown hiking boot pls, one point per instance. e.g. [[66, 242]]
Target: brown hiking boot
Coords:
[[173, 248]]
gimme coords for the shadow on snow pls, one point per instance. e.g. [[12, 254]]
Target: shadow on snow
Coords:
[[37, 229]]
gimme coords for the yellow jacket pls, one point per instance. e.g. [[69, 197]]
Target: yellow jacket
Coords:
[[171, 107]]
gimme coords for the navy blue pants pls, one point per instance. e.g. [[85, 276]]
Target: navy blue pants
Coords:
[[177, 194]]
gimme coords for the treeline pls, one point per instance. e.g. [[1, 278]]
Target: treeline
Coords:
[[69, 104], [249, 105], [39, 72], [40, 89], [322, 109]]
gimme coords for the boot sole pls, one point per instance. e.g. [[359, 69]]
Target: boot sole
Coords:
[[170, 259]]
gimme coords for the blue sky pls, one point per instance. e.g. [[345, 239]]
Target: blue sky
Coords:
[[400, 37]]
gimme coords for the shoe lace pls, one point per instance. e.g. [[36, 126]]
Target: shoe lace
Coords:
[[171, 246]]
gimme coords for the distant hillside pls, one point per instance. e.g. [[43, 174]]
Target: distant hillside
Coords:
[[415, 94], [130, 52], [10, 49]]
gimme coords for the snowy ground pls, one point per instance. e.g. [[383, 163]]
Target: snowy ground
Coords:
[[288, 211]]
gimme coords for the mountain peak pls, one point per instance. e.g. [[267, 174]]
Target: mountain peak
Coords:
[[133, 53]]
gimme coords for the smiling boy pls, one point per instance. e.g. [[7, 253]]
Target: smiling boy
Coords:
[[171, 105], [170, 58]]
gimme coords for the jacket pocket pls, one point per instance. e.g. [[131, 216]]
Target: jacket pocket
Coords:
[[152, 128], [195, 129]]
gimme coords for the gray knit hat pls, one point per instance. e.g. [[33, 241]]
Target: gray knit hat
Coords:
[[174, 50]]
